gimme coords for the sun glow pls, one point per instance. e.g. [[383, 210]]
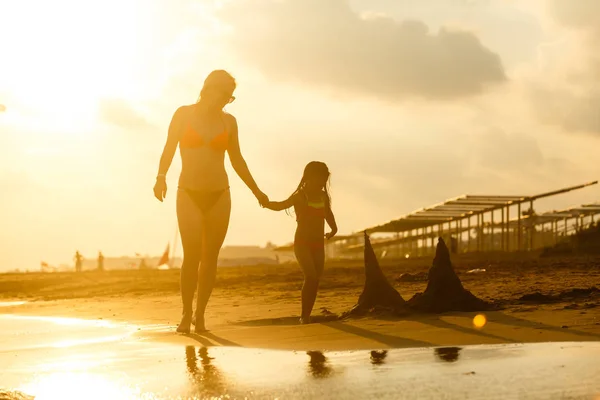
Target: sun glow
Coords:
[[79, 385], [60, 58]]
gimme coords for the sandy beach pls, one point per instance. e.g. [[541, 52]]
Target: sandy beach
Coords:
[[259, 306], [112, 335]]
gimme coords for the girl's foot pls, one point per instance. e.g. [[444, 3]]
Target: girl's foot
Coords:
[[184, 325], [304, 320]]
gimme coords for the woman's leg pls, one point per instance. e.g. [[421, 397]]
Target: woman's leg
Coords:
[[189, 218], [216, 223], [306, 260]]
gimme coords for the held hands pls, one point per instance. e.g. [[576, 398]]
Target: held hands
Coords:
[[160, 188], [262, 198]]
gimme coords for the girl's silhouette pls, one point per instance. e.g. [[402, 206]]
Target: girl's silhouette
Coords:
[[312, 205]]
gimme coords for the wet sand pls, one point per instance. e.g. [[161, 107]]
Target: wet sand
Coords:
[[111, 335], [259, 306], [67, 358]]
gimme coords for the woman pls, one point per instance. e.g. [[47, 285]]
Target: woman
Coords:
[[203, 132]]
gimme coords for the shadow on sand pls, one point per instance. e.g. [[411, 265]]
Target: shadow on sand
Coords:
[[209, 339], [287, 320]]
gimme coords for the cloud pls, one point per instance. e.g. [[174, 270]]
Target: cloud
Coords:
[[576, 14], [572, 111], [120, 113], [570, 98], [327, 44]]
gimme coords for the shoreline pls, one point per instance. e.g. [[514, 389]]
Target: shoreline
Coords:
[[259, 306], [258, 325]]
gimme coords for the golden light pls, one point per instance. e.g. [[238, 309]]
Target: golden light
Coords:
[[406, 255], [61, 60], [79, 385], [479, 321]]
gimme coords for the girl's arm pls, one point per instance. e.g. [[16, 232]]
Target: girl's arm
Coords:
[[239, 164], [282, 205], [330, 218]]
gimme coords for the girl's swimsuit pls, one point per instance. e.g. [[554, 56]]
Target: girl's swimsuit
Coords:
[[315, 210]]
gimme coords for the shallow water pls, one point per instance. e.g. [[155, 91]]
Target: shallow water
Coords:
[[61, 358], [11, 303]]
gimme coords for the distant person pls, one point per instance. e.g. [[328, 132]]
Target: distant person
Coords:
[[312, 205], [78, 261], [204, 132], [100, 261]]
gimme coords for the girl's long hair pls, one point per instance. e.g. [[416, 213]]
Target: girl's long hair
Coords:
[[314, 169]]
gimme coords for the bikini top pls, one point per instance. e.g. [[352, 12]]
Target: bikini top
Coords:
[[192, 139], [315, 209]]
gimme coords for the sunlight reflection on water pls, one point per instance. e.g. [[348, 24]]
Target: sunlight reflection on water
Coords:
[[11, 303], [104, 361]]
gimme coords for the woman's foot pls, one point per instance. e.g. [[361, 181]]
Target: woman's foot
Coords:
[[184, 325], [304, 320], [199, 325]]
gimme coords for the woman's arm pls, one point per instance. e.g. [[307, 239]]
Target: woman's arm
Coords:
[[173, 136], [330, 218], [239, 164]]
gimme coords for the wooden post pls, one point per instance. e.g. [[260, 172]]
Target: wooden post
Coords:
[[469, 233], [502, 231], [492, 247], [479, 231], [519, 227], [532, 227], [508, 236]]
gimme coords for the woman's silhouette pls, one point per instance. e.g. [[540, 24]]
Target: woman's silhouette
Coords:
[[204, 132]]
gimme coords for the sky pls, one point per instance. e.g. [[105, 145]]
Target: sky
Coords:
[[409, 102]]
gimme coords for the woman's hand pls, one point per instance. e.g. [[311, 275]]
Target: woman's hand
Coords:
[[262, 198], [160, 188], [331, 234]]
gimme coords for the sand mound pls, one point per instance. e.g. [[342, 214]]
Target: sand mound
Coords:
[[416, 277], [567, 295], [445, 291], [377, 295]]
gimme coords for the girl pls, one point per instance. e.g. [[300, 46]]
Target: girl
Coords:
[[312, 205]]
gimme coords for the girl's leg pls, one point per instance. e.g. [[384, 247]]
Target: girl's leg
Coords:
[[216, 223], [318, 253], [305, 258], [189, 218]]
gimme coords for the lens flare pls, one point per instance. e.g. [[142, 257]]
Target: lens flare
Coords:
[[479, 321]]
